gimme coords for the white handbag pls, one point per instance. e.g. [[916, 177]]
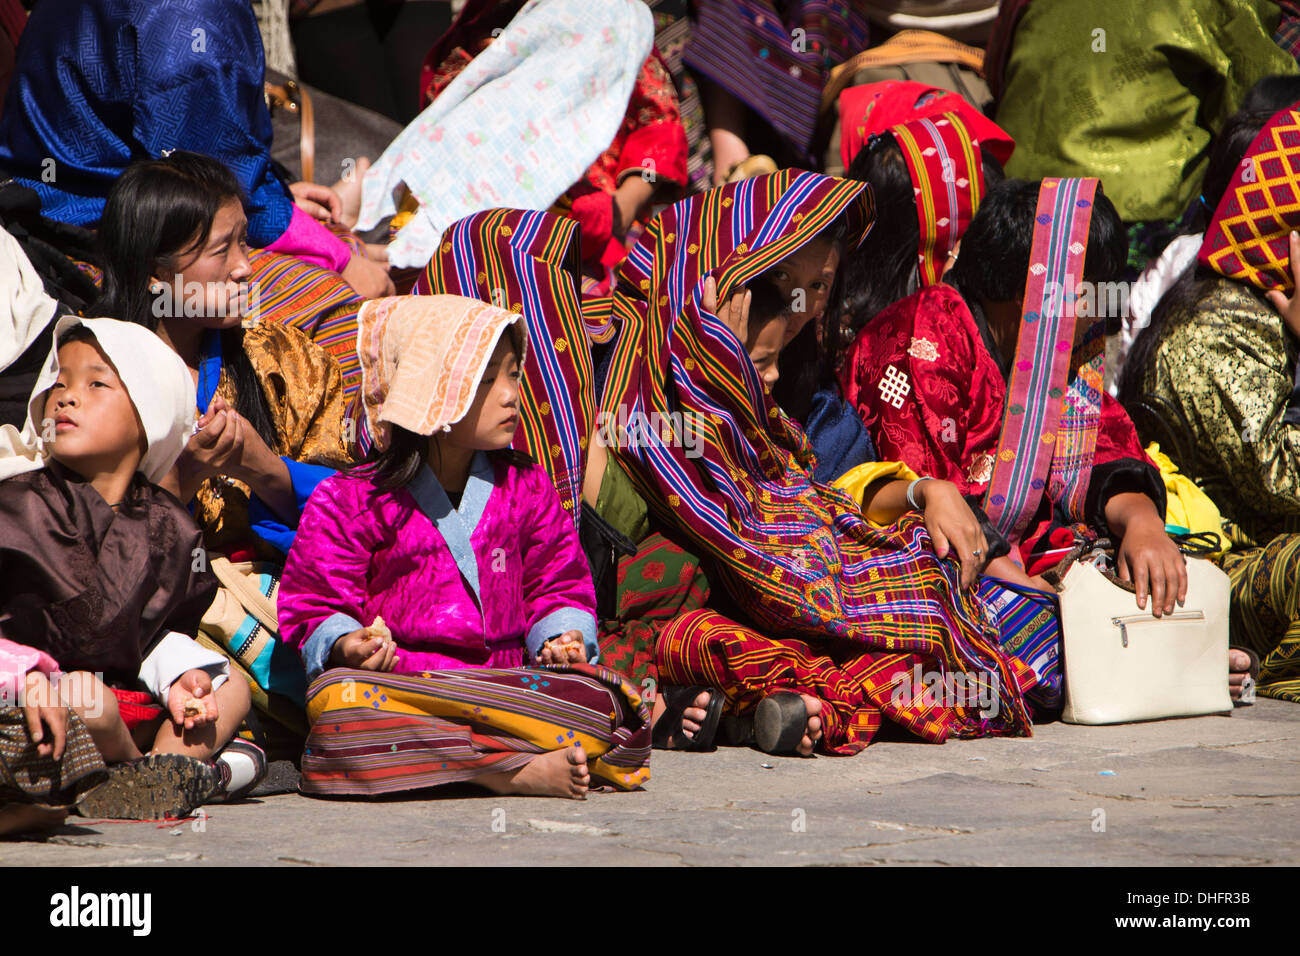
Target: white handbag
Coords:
[[1123, 664]]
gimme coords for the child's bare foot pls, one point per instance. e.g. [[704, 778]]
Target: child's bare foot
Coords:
[[26, 817], [559, 773]]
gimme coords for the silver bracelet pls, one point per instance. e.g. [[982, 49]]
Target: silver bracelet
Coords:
[[911, 491]]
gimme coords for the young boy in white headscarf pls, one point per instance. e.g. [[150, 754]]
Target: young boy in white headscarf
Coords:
[[103, 571]]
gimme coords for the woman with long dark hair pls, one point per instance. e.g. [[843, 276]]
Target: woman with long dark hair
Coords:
[[1219, 362], [270, 401]]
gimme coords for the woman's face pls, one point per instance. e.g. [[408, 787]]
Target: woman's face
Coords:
[[212, 276], [90, 421], [804, 280], [491, 421]]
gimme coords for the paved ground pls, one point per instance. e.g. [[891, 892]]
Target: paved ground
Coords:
[[1207, 791]]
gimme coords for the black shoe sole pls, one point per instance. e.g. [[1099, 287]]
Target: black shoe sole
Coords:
[[780, 721], [156, 787]]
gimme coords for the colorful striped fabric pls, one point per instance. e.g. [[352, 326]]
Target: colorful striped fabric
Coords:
[[1248, 237], [1049, 431], [948, 179], [313, 300], [717, 460], [776, 62], [529, 262], [1030, 626], [375, 733], [1265, 611]]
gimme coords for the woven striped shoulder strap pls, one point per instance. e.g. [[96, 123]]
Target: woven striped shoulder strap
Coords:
[[1038, 412]]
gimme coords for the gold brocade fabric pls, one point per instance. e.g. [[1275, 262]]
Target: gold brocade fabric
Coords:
[[1227, 365], [304, 391], [1131, 92]]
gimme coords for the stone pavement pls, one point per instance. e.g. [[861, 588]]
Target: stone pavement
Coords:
[[1205, 791]]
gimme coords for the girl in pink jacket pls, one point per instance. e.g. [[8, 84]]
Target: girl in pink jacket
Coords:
[[424, 583]]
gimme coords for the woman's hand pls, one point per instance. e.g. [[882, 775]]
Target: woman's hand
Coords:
[[1147, 555], [41, 708], [953, 527], [368, 278], [358, 649], [735, 314], [631, 197], [1289, 307], [227, 444], [319, 202], [217, 448], [194, 684], [1149, 558], [568, 648]]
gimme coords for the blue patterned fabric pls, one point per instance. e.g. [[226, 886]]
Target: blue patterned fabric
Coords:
[[1029, 628], [838, 437], [99, 83]]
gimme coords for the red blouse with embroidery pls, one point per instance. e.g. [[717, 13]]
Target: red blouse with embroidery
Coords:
[[932, 396]]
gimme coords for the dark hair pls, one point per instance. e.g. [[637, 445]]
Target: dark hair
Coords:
[[1226, 153], [996, 247], [767, 303], [1271, 94], [396, 465], [77, 333], [884, 268], [157, 211], [1182, 297], [1263, 101]]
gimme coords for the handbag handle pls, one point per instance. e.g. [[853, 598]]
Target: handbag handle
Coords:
[[293, 97]]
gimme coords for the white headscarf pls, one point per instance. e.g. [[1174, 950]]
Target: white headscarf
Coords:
[[25, 308], [159, 384]]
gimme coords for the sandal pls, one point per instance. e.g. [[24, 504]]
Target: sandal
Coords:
[[156, 787], [775, 727], [1252, 676], [669, 726]]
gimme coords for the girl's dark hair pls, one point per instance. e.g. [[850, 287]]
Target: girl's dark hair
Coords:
[[396, 465], [158, 211], [1270, 94], [996, 247], [1182, 297], [884, 268], [1226, 153]]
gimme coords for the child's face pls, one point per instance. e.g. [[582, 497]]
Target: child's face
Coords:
[[491, 421], [765, 347], [811, 269], [212, 275], [89, 414]]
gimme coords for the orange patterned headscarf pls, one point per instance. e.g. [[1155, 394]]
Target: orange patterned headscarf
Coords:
[[422, 357], [1248, 238], [947, 173]]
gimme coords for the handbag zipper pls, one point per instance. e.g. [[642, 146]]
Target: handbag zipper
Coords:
[[1123, 622]]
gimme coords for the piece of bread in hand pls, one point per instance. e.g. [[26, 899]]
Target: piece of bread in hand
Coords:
[[194, 707], [379, 629]]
